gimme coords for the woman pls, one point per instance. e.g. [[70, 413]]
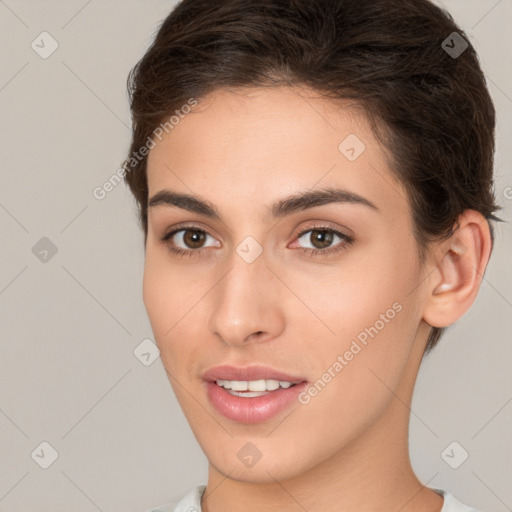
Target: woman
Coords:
[[314, 182]]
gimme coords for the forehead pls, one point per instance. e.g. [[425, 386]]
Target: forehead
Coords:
[[235, 123], [263, 143]]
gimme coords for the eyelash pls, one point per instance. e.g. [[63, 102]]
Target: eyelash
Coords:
[[346, 241]]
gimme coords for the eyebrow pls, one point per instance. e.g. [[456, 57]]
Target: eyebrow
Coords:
[[282, 208]]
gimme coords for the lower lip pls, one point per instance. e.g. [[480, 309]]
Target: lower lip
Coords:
[[252, 410]]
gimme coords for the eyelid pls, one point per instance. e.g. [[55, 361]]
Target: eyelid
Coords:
[[327, 226], [184, 226]]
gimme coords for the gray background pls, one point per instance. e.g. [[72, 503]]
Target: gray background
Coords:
[[69, 326]]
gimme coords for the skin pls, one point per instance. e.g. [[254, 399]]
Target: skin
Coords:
[[241, 151]]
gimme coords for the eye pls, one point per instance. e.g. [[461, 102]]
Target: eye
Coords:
[[321, 238], [192, 241], [188, 241]]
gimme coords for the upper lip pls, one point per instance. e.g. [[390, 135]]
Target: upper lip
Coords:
[[249, 373]]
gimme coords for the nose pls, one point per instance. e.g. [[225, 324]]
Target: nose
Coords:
[[246, 305]]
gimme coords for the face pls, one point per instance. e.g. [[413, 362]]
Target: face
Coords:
[[269, 273]]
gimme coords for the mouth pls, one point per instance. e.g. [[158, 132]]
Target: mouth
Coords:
[[253, 388], [253, 394]]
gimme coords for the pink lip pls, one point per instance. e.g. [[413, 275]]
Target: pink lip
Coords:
[[254, 409], [249, 373]]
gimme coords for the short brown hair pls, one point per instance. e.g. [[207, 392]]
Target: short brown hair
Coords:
[[435, 113]]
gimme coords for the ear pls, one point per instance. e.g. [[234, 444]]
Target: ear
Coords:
[[459, 266]]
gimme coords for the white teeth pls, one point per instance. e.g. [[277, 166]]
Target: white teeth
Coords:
[[271, 385], [256, 386], [238, 385]]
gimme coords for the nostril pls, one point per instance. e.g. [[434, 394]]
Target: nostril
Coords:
[[258, 334]]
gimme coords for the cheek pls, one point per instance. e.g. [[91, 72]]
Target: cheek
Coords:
[[163, 296], [356, 373], [347, 299], [157, 293], [168, 293], [173, 304], [365, 314]]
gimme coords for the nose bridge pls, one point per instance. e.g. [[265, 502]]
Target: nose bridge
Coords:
[[245, 301]]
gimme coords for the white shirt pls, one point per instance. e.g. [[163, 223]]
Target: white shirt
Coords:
[[191, 502]]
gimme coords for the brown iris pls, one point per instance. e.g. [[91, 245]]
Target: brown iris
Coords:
[[323, 237], [193, 238]]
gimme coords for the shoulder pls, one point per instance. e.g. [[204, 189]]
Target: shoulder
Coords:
[[191, 502], [452, 504]]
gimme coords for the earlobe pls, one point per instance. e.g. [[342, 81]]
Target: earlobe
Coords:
[[460, 264]]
